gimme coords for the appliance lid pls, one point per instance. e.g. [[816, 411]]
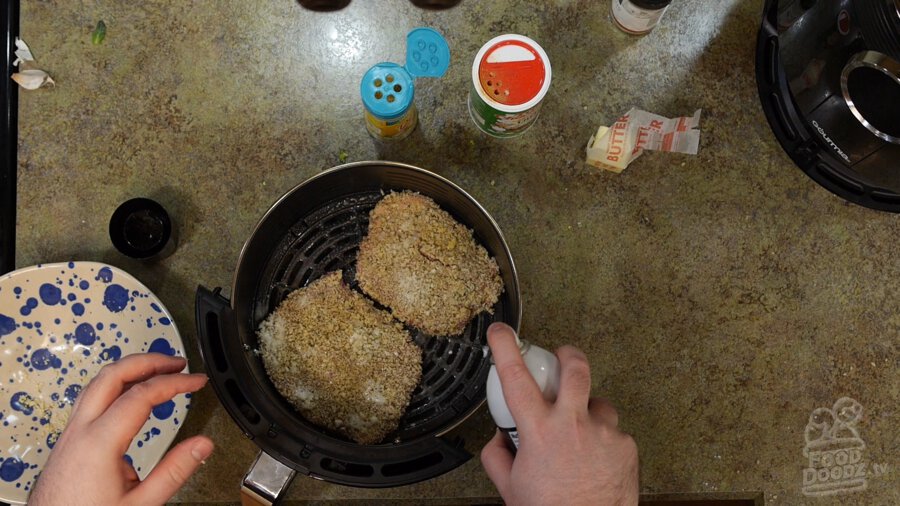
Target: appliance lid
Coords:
[[829, 81]]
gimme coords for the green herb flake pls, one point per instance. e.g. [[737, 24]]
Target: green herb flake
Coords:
[[99, 33], [343, 156]]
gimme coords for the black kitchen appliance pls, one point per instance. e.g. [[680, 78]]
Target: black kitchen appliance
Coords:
[[314, 229], [9, 98], [828, 73]]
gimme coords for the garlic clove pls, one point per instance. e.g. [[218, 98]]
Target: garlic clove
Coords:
[[32, 79], [23, 53]]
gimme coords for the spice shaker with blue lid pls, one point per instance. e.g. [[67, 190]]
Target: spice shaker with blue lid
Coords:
[[388, 89]]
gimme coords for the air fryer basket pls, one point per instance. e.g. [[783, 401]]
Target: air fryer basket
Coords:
[[316, 228]]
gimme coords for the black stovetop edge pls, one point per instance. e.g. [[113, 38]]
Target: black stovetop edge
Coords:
[[9, 93]]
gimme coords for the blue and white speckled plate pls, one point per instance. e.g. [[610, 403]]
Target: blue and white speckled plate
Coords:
[[59, 324]]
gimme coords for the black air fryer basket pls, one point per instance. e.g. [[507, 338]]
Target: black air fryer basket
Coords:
[[313, 229]]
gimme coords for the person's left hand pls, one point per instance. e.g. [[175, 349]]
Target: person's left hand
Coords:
[[87, 466]]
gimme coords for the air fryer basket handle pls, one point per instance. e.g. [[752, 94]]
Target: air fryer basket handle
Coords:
[[266, 480], [214, 320], [216, 328]]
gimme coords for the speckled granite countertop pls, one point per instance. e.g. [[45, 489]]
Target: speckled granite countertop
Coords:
[[721, 297]]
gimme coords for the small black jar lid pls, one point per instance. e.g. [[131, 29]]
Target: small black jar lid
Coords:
[[140, 228]]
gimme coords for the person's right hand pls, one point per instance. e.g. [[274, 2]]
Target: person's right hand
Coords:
[[570, 451]]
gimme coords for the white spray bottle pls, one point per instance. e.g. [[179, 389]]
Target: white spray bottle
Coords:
[[544, 367]]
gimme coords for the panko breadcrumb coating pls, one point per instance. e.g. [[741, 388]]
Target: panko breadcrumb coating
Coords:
[[343, 363], [423, 265]]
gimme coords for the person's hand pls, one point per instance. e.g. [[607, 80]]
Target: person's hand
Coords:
[[570, 451], [87, 466]]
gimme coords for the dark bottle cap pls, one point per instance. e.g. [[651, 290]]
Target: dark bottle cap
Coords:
[[650, 5], [324, 5], [140, 228], [435, 4]]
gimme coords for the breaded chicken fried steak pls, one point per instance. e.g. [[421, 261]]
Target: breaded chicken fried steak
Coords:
[[425, 266], [343, 363]]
